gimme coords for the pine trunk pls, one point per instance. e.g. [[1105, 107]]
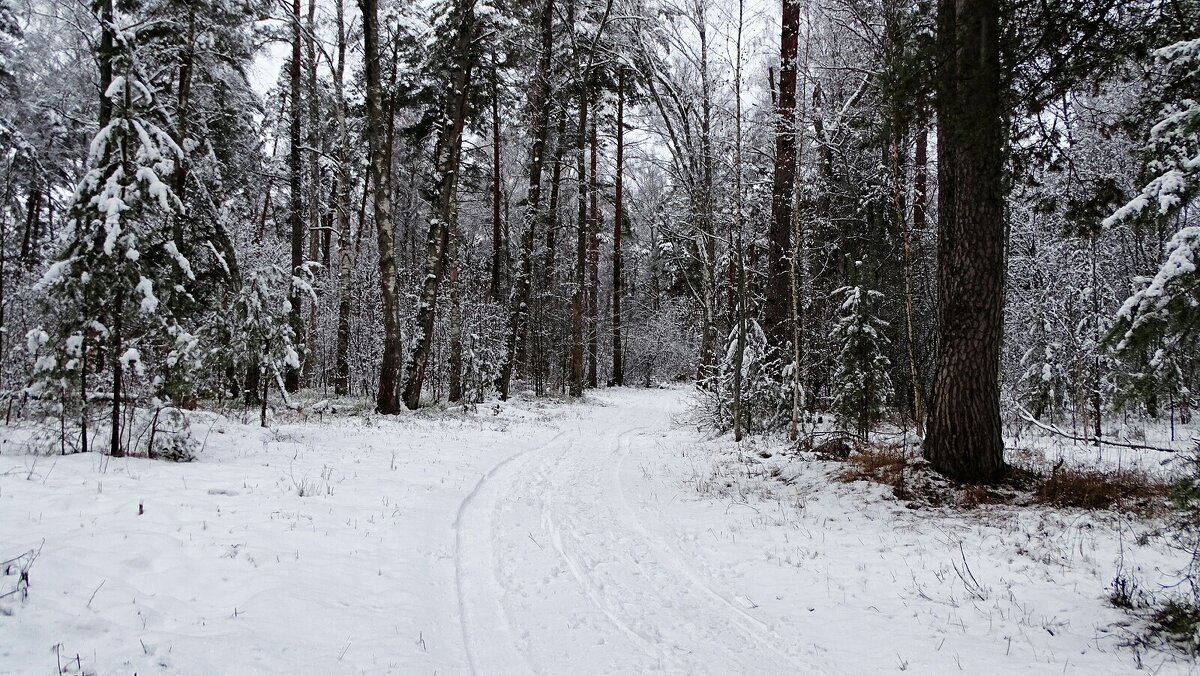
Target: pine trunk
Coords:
[[778, 304], [618, 366], [296, 186], [964, 440]]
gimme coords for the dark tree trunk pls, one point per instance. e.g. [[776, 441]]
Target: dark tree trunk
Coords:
[[341, 380], [578, 289], [964, 440], [456, 315], [387, 400], [779, 239], [498, 244], [593, 260], [449, 147], [519, 302], [115, 448], [618, 366], [296, 201]]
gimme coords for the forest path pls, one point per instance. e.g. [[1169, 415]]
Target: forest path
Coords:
[[561, 566]]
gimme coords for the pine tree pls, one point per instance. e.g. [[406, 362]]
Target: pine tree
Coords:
[[103, 289], [861, 385]]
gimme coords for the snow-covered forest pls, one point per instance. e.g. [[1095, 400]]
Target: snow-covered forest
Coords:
[[599, 336]]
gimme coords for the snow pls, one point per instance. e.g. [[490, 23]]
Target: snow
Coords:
[[533, 537]]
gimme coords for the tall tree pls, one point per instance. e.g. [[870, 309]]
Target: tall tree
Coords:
[[453, 117], [618, 365], [778, 304], [539, 104], [964, 438], [295, 186], [378, 127]]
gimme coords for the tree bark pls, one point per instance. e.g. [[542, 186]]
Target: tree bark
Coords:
[[964, 440], [618, 366], [449, 148], [778, 304], [296, 199], [387, 400]]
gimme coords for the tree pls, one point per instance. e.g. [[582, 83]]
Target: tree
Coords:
[[103, 288], [862, 385], [964, 438], [378, 128]]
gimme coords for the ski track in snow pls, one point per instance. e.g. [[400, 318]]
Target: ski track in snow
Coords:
[[614, 580]]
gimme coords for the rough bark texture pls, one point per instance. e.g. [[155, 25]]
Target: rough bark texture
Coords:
[[964, 439], [618, 367], [778, 304], [518, 317], [296, 187], [387, 400], [449, 148]]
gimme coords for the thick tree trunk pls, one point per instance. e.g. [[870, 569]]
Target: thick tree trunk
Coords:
[[519, 301], [296, 200], [964, 440], [778, 303], [449, 148], [341, 380], [387, 400], [618, 366]]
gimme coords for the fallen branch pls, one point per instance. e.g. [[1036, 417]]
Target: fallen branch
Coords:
[[1028, 417]]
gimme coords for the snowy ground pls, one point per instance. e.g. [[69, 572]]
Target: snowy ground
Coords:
[[557, 539]]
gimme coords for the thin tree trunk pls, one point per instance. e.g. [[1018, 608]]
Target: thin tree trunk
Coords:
[[736, 236], [449, 147], [919, 196], [964, 440], [593, 259], [456, 315], [520, 296], [387, 400], [618, 366], [115, 448], [497, 232], [341, 381], [578, 295], [296, 200]]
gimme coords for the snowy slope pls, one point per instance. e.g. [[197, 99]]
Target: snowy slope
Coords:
[[594, 539]]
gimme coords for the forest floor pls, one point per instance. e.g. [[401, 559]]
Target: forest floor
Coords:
[[544, 537]]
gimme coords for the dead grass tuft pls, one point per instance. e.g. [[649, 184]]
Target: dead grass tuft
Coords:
[[1095, 489]]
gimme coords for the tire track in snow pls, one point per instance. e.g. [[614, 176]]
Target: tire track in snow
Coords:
[[488, 570]]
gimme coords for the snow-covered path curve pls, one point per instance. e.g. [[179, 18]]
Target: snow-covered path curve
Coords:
[[558, 570]]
